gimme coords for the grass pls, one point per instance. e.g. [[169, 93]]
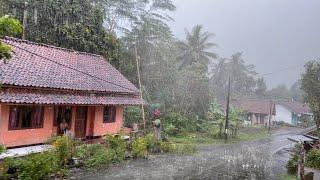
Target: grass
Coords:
[[287, 177], [246, 133]]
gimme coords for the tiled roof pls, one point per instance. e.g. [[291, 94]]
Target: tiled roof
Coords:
[[53, 97], [297, 107], [44, 66], [258, 106]]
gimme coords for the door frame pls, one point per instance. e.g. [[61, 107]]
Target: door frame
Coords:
[[84, 133]]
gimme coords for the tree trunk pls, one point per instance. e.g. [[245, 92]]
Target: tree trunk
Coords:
[[25, 19]]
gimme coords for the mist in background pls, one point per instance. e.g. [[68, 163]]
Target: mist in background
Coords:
[[272, 34]]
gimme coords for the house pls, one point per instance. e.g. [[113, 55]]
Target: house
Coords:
[[294, 113], [46, 90], [256, 111]]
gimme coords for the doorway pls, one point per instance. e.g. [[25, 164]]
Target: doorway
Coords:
[[81, 122]]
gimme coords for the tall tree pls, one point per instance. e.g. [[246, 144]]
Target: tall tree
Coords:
[[8, 27], [242, 75], [296, 92], [311, 86], [71, 24], [261, 87], [196, 47], [280, 92]]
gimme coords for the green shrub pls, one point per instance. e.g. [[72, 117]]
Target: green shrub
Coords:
[[64, 148], [166, 147], [10, 167], [313, 159], [292, 165], [38, 166], [178, 148], [185, 148], [94, 155], [2, 149], [178, 124], [139, 147], [132, 115], [32, 167], [118, 145], [151, 142], [171, 130]]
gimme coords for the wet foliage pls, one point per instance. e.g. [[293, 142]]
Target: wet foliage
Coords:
[[8, 27]]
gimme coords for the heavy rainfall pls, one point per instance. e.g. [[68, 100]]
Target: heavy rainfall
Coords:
[[159, 89]]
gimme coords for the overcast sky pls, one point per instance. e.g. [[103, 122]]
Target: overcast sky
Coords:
[[272, 34]]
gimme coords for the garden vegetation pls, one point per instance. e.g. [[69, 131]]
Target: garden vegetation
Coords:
[[67, 153]]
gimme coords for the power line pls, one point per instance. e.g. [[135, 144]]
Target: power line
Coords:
[[73, 68]]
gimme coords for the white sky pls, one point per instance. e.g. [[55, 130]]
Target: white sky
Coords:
[[273, 34]]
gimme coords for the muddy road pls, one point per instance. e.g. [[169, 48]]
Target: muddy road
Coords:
[[259, 159]]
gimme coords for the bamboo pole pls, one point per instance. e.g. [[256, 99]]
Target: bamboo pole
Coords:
[[140, 87]]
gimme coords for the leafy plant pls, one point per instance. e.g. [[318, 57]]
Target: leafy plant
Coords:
[[2, 149], [94, 155], [292, 165], [151, 142], [185, 148], [8, 27], [132, 115], [38, 166], [178, 148], [64, 148], [166, 147], [313, 159], [139, 147], [177, 124], [118, 145], [32, 167]]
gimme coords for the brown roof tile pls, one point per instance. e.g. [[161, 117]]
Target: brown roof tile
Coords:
[[297, 107], [259, 106], [26, 96]]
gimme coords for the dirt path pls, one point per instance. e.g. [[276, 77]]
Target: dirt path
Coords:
[[260, 159]]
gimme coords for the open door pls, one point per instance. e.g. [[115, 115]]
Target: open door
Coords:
[[81, 122]]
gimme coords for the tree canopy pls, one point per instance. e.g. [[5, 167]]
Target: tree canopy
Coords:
[[196, 47], [8, 27], [311, 86]]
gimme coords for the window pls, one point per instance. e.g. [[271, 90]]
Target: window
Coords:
[[25, 117], [62, 114], [109, 114]]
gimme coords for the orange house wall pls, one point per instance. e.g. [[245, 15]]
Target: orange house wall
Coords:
[[28, 136], [101, 128], [35, 136]]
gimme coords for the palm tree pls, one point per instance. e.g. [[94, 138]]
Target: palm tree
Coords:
[[195, 47]]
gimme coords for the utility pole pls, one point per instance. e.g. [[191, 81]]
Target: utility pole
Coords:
[[227, 113], [140, 87], [270, 115]]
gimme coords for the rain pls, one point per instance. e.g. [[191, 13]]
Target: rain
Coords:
[[159, 89]]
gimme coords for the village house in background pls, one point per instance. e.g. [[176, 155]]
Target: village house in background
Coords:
[[256, 111], [294, 113], [46, 90]]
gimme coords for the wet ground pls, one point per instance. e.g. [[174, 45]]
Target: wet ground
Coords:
[[259, 159]]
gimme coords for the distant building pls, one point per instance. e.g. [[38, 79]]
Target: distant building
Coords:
[[294, 113], [257, 110]]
